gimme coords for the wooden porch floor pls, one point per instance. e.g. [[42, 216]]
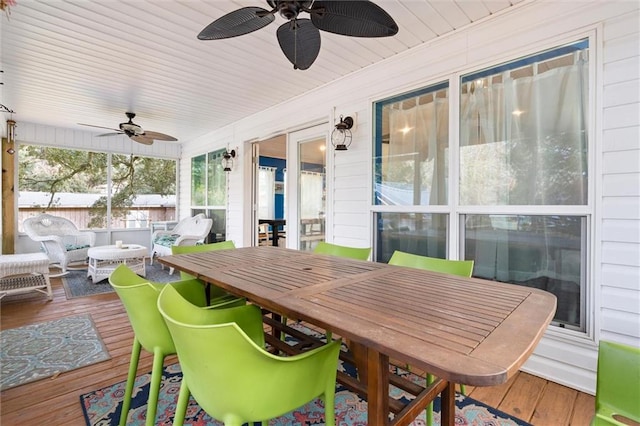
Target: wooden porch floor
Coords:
[[55, 401]]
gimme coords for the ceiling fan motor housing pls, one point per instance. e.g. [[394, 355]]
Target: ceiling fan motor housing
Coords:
[[130, 128], [289, 9]]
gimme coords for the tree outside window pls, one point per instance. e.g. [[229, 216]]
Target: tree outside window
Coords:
[[75, 184]]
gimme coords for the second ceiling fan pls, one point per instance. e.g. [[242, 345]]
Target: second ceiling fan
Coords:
[[299, 38], [134, 131]]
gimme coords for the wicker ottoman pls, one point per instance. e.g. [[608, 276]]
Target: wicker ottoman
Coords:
[[21, 273]]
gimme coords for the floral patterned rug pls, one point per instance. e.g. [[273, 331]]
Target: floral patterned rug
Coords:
[[37, 351], [102, 407]]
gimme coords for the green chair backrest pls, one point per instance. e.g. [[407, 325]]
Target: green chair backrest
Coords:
[[342, 251], [463, 268], [618, 382], [140, 296], [229, 373], [223, 245]]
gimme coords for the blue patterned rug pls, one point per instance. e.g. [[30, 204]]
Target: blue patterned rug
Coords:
[[76, 283], [37, 351], [102, 407]]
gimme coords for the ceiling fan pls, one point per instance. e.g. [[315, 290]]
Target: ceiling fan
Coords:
[[135, 132], [299, 38]]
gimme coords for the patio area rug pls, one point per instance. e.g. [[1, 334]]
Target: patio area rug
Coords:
[[102, 407], [37, 351], [76, 283]]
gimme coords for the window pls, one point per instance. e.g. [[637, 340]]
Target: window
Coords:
[[412, 140], [209, 192], [95, 190], [523, 210], [411, 169]]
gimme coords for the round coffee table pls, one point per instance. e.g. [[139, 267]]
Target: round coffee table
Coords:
[[103, 260]]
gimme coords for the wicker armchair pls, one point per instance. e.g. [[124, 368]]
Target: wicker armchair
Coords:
[[60, 239], [188, 232]]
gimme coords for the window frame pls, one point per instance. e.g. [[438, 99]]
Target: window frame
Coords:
[[457, 212]]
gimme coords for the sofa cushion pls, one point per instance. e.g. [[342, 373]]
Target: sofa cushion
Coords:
[[166, 240]]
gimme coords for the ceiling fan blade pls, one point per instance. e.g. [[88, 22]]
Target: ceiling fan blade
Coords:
[[98, 127], [300, 42], [355, 18], [236, 23], [158, 136], [142, 139], [110, 134]]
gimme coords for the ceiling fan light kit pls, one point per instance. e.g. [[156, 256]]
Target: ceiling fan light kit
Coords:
[[135, 132], [299, 38]]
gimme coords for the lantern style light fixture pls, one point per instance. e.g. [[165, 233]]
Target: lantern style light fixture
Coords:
[[227, 160], [341, 135]]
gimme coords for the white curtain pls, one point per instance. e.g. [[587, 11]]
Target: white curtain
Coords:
[[418, 137], [266, 192], [523, 141], [311, 195]]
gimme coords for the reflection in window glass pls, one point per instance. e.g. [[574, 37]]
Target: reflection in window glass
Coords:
[[216, 180], [412, 139], [209, 192], [198, 180], [417, 233], [523, 131], [312, 193], [545, 252]]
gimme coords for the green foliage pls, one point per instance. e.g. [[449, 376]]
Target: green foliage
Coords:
[[55, 170]]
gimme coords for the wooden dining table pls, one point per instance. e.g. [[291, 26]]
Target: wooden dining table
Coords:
[[462, 330]]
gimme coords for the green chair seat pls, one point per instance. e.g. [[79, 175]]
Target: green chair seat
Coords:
[[229, 373]]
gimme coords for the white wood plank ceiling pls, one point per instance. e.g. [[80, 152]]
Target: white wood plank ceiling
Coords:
[[88, 61]]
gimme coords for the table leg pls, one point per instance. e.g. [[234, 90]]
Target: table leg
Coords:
[[377, 387], [275, 235], [448, 405], [359, 359]]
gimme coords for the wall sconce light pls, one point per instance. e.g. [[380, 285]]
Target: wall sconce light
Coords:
[[227, 160], [11, 136], [341, 135]]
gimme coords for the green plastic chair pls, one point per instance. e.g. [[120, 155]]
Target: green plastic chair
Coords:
[[618, 384], [342, 251], [230, 374], [463, 268], [139, 297], [214, 294]]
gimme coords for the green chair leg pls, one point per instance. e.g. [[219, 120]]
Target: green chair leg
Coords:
[[463, 389], [131, 378], [154, 389], [183, 402], [429, 410]]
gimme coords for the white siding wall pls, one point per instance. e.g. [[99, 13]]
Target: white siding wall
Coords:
[[563, 357], [618, 292]]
